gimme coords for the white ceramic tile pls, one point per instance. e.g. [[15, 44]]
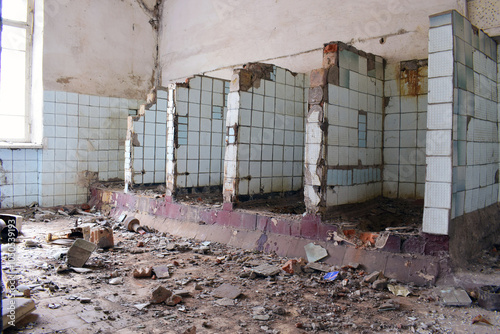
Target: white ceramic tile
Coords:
[[440, 39], [435, 221], [438, 142]]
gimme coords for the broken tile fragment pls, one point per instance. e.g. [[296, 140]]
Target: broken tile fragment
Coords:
[[452, 296], [80, 252], [225, 302], [319, 267], [372, 277], [226, 290], [315, 252], [161, 271], [266, 270]]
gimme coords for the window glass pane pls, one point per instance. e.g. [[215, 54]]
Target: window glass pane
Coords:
[[13, 127], [15, 10], [13, 38], [13, 83]]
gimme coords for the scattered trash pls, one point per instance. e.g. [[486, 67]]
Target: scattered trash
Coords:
[[398, 290], [54, 306], [226, 291], [80, 252], [314, 252], [480, 319], [331, 276]]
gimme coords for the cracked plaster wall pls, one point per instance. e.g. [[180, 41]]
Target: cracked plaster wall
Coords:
[[219, 35], [104, 48]]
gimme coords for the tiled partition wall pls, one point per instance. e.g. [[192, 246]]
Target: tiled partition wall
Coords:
[[83, 142], [149, 158], [265, 130], [199, 113], [462, 138], [271, 135], [405, 126], [354, 140], [475, 119]]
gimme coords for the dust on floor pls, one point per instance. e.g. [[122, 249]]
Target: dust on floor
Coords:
[[108, 299]]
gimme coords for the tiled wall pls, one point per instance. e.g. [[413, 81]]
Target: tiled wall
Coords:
[[265, 133], [199, 111], [83, 136], [475, 119], [149, 159], [462, 138], [354, 139], [405, 126], [271, 135], [19, 181]]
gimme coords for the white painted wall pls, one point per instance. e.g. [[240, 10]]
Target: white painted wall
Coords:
[[96, 47], [203, 36]]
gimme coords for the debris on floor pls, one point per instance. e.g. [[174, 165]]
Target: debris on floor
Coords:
[[452, 296], [15, 309], [175, 285]]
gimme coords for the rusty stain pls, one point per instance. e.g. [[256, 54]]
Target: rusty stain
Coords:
[[410, 80], [64, 80]]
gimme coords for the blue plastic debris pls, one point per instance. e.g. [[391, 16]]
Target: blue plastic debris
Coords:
[[331, 276]]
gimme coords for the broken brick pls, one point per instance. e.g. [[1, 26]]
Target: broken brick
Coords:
[[142, 272], [160, 294], [292, 267], [173, 300], [318, 77]]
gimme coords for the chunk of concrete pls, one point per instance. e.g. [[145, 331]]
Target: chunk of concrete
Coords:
[[315, 252], [160, 294], [15, 309], [226, 290], [80, 252]]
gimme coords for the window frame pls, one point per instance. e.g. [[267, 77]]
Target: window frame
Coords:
[[28, 140]]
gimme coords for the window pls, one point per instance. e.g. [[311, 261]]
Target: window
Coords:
[[15, 69]]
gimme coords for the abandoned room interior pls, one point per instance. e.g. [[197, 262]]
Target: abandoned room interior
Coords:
[[190, 148]]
